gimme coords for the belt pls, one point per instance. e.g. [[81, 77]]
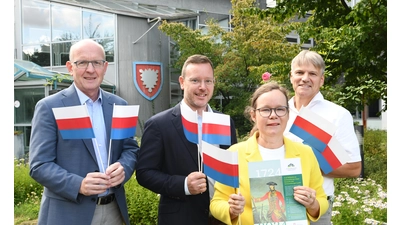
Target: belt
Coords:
[[104, 200], [330, 197]]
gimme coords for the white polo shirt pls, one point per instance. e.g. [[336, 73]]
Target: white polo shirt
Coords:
[[345, 133]]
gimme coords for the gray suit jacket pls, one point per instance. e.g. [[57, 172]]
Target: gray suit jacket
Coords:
[[60, 165]]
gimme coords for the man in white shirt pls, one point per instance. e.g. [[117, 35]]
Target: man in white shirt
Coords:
[[307, 77]]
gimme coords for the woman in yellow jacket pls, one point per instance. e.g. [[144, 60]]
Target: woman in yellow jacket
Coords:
[[269, 112]]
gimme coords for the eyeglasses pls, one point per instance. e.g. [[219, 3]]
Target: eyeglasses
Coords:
[[279, 111], [85, 64], [208, 82]]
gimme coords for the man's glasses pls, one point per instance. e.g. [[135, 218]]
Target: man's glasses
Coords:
[[279, 111], [85, 64], [198, 81]]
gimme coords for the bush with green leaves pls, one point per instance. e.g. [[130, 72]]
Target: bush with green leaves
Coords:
[[142, 203], [358, 201], [362, 200], [27, 192]]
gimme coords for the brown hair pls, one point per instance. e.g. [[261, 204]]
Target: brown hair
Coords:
[[196, 59]]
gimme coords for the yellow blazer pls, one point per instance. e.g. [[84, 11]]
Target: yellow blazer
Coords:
[[248, 152]]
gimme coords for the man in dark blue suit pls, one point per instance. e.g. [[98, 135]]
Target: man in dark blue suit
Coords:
[[168, 163], [80, 186]]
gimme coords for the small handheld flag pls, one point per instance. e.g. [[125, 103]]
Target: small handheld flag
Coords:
[[318, 133], [74, 122], [216, 128], [124, 121], [221, 165], [189, 122]]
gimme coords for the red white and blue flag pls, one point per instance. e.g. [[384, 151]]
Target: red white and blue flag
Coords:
[[216, 128], [318, 133], [124, 121], [221, 165], [190, 125], [74, 122]]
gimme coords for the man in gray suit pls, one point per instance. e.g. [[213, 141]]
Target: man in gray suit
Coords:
[[80, 185]]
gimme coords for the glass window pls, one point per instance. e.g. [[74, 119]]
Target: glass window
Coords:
[[25, 100], [61, 53], [35, 22], [39, 54], [66, 23], [96, 25], [108, 45], [48, 44]]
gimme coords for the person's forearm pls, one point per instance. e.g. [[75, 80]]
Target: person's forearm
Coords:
[[348, 170]]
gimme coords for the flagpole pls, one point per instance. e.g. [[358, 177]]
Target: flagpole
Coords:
[[199, 140], [98, 152], [109, 147], [237, 192], [109, 154]]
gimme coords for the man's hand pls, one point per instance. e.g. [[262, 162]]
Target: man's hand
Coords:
[[117, 173], [95, 183], [197, 183]]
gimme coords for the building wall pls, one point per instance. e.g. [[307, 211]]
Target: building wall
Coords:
[[152, 47]]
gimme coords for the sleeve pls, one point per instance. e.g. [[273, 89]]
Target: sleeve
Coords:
[[219, 206]]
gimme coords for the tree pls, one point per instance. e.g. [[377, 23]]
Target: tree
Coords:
[[240, 57], [353, 42]]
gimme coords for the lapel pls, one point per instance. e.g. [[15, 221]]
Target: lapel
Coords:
[[108, 107], [70, 98], [177, 122]]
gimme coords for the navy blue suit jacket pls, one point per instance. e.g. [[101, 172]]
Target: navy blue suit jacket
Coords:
[[166, 157]]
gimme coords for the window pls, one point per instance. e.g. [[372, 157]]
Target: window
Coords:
[[50, 29], [25, 101]]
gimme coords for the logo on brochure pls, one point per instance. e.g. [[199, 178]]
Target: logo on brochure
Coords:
[[291, 167]]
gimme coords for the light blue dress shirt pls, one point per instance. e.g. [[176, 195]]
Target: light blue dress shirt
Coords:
[[99, 142]]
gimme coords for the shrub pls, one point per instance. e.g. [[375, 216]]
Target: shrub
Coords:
[[358, 201], [142, 203], [27, 192]]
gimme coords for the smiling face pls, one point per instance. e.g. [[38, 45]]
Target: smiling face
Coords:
[[198, 85], [272, 125], [306, 80], [88, 79], [306, 76]]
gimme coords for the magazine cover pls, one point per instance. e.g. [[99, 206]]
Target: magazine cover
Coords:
[[271, 187]]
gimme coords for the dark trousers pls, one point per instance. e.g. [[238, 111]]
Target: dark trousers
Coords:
[[213, 221]]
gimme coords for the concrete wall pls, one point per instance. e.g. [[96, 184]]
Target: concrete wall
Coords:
[[152, 47]]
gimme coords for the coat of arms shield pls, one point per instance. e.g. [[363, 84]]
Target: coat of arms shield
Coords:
[[148, 78]]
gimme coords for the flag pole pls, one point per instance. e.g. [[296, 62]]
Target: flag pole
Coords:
[[98, 152], [109, 147], [109, 154], [199, 140]]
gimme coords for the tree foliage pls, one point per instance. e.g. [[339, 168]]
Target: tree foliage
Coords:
[[240, 56], [353, 42]]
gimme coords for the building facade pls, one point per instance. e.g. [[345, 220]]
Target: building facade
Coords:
[[138, 53]]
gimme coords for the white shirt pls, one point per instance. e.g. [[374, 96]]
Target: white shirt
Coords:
[[345, 133]]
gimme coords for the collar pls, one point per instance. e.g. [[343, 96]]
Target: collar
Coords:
[[83, 98]]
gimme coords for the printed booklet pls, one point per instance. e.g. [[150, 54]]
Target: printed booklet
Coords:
[[271, 187]]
